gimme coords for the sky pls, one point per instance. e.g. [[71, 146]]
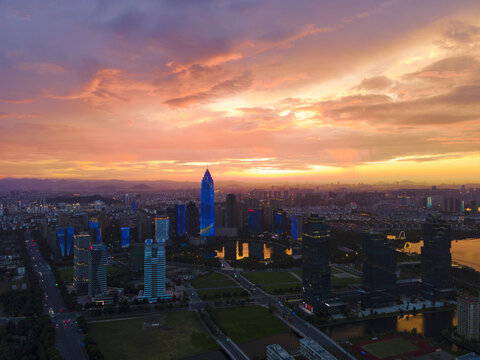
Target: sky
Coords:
[[350, 91]]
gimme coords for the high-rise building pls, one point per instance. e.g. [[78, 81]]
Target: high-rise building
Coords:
[[276, 352], [379, 263], [436, 257], [70, 231], [95, 230], [162, 233], [154, 270], [97, 270], [60, 234], [311, 350], [279, 221], [81, 248], [255, 221], [192, 219], [231, 211], [297, 226], [207, 206], [468, 315], [316, 261], [181, 220], [125, 237]]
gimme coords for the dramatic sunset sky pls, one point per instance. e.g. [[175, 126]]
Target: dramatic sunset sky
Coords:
[[294, 90]]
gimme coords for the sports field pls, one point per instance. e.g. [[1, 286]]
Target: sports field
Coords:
[[392, 347]]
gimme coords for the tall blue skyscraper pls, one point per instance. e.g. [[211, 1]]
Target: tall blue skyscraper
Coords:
[[81, 248], [207, 206], [255, 221], [297, 226], [70, 233], [61, 239], [181, 219], [154, 271], [162, 229], [125, 232]]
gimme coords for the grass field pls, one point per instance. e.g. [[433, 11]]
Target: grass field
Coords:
[[338, 283], [280, 289], [66, 275], [125, 339], [248, 323], [391, 347], [212, 280], [225, 293], [271, 277]]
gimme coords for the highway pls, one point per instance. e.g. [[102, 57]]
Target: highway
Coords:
[[230, 348], [304, 328], [68, 338]]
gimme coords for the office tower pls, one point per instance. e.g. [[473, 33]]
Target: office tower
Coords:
[[468, 315], [297, 226], [97, 270], [207, 206], [70, 231], [255, 221], [379, 264], [312, 350], [127, 200], [219, 216], [276, 352], [154, 270], [192, 219], [81, 248], [436, 257], [125, 236], [181, 220], [60, 235], [279, 221], [231, 211], [95, 230], [172, 212], [162, 233], [316, 261]]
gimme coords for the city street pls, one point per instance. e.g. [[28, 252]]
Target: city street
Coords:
[[68, 338]]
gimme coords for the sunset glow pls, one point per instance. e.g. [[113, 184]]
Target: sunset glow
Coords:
[[351, 91]]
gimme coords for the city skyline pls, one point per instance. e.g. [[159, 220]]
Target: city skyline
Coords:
[[257, 91]]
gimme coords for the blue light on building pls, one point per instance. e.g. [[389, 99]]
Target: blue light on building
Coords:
[[181, 219], [70, 233], [297, 226], [255, 220], [161, 229], [61, 240], [429, 202], [207, 206], [279, 221], [94, 224], [125, 235], [154, 271]]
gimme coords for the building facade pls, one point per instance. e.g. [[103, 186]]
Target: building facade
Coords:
[[162, 229], [192, 219], [311, 350], [297, 227], [81, 248], [207, 206], [97, 270], [276, 352], [125, 237], [436, 257], [231, 211], [279, 221], [316, 261], [468, 315], [154, 271], [181, 217], [379, 263], [255, 221]]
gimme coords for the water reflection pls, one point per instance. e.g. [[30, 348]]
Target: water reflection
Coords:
[[428, 324], [237, 250], [466, 252]]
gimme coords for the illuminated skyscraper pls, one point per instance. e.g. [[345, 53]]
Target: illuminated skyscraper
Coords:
[[125, 235], [81, 247], [297, 226], [207, 206], [279, 221], [162, 229], [181, 219], [60, 232], [97, 270], [255, 221], [316, 261], [154, 270]]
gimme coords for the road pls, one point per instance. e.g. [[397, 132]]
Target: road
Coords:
[[68, 338], [304, 328], [231, 348]]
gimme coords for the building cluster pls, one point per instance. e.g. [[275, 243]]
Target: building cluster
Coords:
[[309, 349]]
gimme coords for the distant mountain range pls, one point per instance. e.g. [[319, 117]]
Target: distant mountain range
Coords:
[[112, 186]]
